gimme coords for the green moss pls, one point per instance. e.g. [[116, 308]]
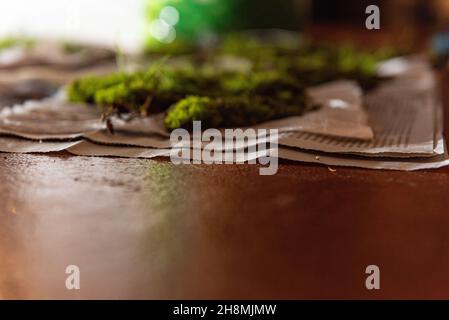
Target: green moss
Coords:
[[69, 47], [9, 42], [226, 112], [273, 86], [130, 92], [259, 82], [84, 90]]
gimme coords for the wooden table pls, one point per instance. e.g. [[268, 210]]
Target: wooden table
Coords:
[[150, 229]]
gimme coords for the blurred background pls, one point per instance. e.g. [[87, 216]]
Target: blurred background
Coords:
[[132, 23], [118, 22]]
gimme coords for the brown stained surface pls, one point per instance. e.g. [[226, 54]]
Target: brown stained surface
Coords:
[[149, 229]]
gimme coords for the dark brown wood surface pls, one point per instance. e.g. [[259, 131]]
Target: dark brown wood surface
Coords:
[[150, 229]]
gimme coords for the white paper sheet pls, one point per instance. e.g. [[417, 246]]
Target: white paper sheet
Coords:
[[403, 114], [19, 145], [49, 119], [408, 164]]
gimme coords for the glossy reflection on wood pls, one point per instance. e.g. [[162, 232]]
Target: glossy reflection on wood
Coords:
[[149, 229]]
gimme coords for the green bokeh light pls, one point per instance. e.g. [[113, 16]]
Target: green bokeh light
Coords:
[[190, 21]]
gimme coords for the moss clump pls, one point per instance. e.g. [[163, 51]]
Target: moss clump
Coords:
[[321, 64], [226, 112], [9, 42], [272, 87], [84, 90], [129, 92], [253, 97], [72, 47], [279, 86], [310, 64]]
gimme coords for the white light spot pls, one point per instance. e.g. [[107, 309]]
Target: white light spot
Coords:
[[171, 36], [338, 104], [169, 15], [162, 31], [392, 67], [11, 55]]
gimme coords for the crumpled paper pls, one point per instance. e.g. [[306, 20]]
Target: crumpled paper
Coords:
[[341, 114]]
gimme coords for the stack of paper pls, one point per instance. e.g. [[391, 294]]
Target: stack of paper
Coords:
[[407, 120], [396, 126]]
